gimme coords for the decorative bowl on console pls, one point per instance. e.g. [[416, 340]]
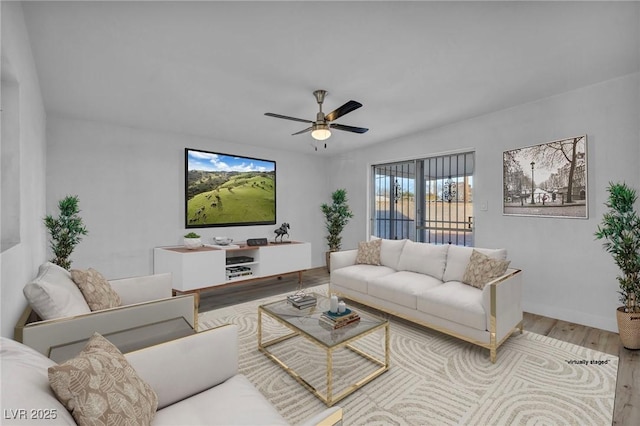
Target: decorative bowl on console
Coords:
[[222, 241]]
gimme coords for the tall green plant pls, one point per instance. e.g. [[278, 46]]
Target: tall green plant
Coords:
[[620, 228], [336, 216], [66, 230]]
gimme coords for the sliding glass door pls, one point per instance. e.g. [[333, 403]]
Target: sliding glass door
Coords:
[[428, 200], [394, 209]]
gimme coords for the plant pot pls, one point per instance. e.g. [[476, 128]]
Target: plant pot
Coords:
[[327, 255], [192, 243], [629, 328]]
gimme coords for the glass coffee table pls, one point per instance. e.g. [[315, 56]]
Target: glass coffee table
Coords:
[[354, 354]]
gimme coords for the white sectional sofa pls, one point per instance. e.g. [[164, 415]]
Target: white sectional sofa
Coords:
[[423, 283], [195, 378]]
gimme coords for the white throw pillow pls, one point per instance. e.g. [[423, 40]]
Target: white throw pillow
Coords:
[[53, 294], [390, 252], [24, 372], [424, 258], [458, 259]]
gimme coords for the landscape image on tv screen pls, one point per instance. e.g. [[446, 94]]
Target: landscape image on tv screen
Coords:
[[228, 190]]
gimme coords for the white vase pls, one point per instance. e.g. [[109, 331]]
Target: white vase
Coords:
[[192, 243], [333, 305]]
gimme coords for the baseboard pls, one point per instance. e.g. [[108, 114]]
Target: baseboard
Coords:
[[595, 321]]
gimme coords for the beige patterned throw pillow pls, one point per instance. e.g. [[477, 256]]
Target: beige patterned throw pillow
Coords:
[[99, 387], [369, 252], [96, 289], [482, 269]]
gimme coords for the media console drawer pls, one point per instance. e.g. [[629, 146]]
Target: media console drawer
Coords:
[[281, 258]]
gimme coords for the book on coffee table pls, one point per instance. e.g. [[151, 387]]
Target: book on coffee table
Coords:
[[338, 320], [302, 301], [335, 326]]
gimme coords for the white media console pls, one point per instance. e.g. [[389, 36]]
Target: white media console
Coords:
[[208, 267]]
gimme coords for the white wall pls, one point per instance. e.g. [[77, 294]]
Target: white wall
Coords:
[[19, 264], [566, 273], [131, 188]]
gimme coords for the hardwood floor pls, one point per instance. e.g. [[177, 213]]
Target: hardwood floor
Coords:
[[627, 401]]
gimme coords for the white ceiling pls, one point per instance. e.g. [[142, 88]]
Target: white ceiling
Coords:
[[214, 68]]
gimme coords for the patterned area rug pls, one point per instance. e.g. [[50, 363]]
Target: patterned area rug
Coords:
[[435, 379]]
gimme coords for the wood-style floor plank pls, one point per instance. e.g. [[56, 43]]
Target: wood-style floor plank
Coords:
[[627, 400], [539, 324], [627, 408], [568, 332]]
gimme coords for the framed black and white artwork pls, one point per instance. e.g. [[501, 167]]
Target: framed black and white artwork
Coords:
[[549, 179]]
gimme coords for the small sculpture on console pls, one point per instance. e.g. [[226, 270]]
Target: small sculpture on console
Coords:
[[281, 232]]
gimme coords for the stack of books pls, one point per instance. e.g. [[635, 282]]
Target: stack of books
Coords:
[[336, 320], [302, 301]]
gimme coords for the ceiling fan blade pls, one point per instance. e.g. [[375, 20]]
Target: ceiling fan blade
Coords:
[[344, 109], [286, 117], [308, 129], [348, 128]]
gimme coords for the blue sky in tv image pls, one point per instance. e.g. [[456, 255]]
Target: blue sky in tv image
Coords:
[[214, 162]]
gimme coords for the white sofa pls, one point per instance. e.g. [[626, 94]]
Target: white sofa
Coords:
[[58, 313], [196, 379], [422, 283]]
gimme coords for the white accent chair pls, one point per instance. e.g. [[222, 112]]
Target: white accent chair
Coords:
[[58, 314], [196, 379]]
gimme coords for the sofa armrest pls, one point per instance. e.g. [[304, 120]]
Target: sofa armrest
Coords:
[[43, 335], [340, 259], [328, 417], [506, 293], [142, 289], [183, 367]]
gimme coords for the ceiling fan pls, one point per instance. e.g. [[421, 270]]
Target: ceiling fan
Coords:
[[320, 129]]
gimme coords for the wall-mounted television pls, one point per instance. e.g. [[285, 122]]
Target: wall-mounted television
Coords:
[[228, 190]]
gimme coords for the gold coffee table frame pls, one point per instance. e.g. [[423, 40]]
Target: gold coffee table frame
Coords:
[[281, 310]]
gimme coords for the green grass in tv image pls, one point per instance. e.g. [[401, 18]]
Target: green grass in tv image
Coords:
[[230, 197]]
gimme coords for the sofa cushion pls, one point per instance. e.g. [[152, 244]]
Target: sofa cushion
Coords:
[[456, 302], [53, 294], [390, 251], [369, 252], [25, 385], [402, 287], [482, 269], [99, 386], [356, 277], [424, 258], [96, 289], [234, 402], [458, 259]]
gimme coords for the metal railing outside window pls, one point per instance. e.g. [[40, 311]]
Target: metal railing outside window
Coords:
[[427, 200]]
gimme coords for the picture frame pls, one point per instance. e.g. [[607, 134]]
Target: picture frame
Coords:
[[547, 180]]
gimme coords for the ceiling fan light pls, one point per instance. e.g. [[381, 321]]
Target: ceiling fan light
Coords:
[[321, 132]]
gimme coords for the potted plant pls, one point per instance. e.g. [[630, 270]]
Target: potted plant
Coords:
[[620, 228], [336, 217], [66, 230], [192, 241]]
